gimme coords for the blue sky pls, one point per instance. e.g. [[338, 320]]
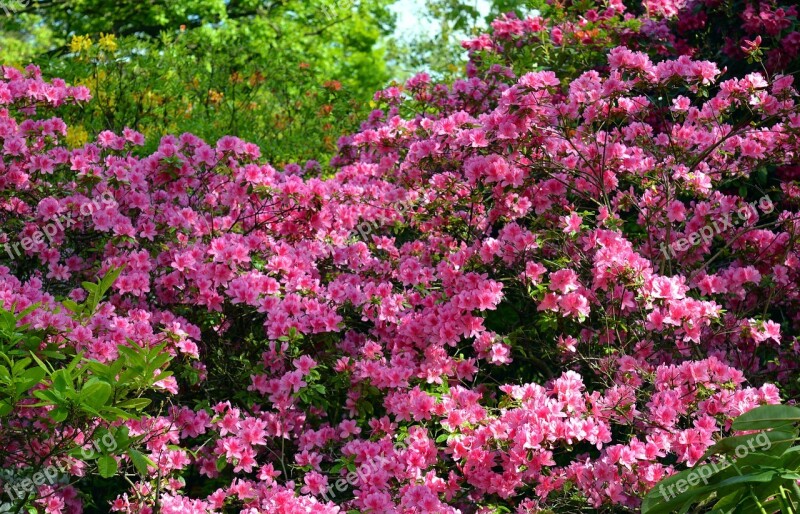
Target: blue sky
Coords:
[[410, 19]]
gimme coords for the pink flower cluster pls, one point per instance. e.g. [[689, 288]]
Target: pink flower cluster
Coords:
[[515, 337]]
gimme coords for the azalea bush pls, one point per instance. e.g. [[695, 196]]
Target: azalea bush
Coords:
[[739, 35], [524, 291], [729, 31]]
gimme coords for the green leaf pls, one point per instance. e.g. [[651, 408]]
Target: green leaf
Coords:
[[28, 310], [97, 291], [54, 355], [100, 369], [122, 437], [48, 396], [20, 366], [666, 498], [119, 413], [84, 453], [727, 503], [221, 463], [134, 404], [59, 414], [95, 393], [764, 476], [109, 279], [107, 466], [766, 417], [71, 306], [30, 378], [161, 376], [41, 364], [773, 442], [140, 461]]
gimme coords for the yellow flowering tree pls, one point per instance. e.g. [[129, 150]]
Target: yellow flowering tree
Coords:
[[218, 68]]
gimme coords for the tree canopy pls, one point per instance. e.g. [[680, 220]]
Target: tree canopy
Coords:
[[292, 74]]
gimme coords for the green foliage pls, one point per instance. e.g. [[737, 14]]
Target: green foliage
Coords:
[[290, 76], [441, 54], [18, 374], [78, 393], [96, 294], [129, 16], [753, 473], [91, 389]]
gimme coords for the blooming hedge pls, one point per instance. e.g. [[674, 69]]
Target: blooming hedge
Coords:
[[520, 292]]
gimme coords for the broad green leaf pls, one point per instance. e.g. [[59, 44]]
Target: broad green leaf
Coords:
[[764, 476], [766, 417], [20, 366], [109, 279], [134, 403], [59, 414], [108, 410], [62, 382], [728, 502], [107, 466], [773, 442], [95, 393], [71, 306], [666, 497], [41, 364], [140, 461], [54, 355], [162, 376], [49, 396], [30, 378], [28, 310]]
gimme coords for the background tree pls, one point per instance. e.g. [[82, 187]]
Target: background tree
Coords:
[[440, 52], [290, 76]]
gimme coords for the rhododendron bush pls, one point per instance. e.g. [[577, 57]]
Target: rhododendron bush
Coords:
[[519, 292]]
